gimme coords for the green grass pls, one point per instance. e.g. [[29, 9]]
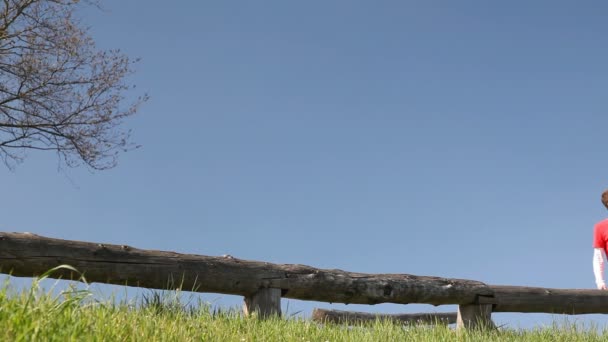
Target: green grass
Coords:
[[35, 314]]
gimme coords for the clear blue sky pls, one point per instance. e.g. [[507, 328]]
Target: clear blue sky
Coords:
[[458, 139]]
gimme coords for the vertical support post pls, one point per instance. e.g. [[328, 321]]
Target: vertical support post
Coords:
[[474, 316], [264, 303]]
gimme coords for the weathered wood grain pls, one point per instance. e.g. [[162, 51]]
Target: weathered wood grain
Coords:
[[27, 255], [353, 317]]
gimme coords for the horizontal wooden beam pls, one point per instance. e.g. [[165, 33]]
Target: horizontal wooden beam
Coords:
[[354, 317], [538, 299], [27, 255]]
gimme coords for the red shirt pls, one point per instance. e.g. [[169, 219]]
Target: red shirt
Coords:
[[600, 235]]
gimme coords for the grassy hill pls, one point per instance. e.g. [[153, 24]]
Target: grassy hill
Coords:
[[74, 315]]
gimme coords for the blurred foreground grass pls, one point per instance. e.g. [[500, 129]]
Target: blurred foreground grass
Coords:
[[73, 314]]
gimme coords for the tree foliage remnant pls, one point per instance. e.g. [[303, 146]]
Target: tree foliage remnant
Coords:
[[58, 92]]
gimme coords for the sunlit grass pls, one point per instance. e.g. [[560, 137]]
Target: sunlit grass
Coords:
[[73, 314]]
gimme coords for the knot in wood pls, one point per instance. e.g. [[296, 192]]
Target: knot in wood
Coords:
[[387, 290]]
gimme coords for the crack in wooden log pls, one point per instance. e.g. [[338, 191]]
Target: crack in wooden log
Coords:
[[93, 261]]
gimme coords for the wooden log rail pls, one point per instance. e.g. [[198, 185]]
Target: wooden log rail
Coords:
[[353, 317], [505, 299], [27, 255], [264, 284], [547, 300]]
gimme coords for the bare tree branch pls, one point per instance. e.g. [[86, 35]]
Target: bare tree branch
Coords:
[[57, 91]]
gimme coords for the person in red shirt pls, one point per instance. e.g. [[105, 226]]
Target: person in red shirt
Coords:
[[600, 247]]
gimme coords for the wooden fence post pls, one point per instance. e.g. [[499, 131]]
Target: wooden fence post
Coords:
[[264, 303], [474, 316]]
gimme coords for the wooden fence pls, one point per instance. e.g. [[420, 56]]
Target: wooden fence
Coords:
[[264, 284]]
